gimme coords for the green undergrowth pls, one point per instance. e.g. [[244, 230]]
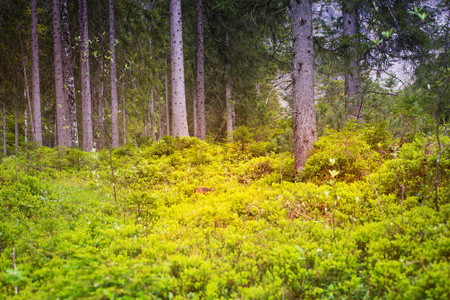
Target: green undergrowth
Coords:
[[359, 222]]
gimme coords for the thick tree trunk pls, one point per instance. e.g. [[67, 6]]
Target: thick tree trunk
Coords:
[[166, 85], [113, 65], [200, 105], [86, 103], [36, 94], [229, 105], [352, 77], [69, 82], [304, 117], [179, 113], [61, 106]]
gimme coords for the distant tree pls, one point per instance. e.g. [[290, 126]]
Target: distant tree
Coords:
[[36, 94], [113, 65], [88, 137], [179, 114], [303, 110]]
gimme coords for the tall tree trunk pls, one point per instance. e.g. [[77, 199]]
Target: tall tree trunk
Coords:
[[27, 92], [114, 98], [124, 112], [86, 103], [69, 82], [201, 123], [61, 106], [16, 128], [352, 76], [229, 104], [26, 125], [160, 130], [151, 104], [166, 85], [195, 113], [304, 116], [4, 126], [36, 95], [101, 109], [179, 114]]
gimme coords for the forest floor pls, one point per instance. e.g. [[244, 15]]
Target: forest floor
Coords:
[[186, 219]]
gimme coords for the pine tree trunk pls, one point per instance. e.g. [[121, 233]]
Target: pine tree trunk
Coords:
[[4, 127], [229, 104], [69, 82], [304, 117], [36, 95], [166, 85], [114, 97], [88, 137], [26, 125], [124, 112], [352, 78], [27, 91], [179, 113], [61, 106], [16, 128], [201, 123]]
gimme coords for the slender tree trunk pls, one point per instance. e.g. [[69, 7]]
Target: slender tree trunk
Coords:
[[36, 95], [195, 112], [304, 117], [201, 123], [27, 92], [179, 114], [114, 98], [124, 112], [166, 84], [69, 82], [61, 106], [4, 126], [229, 104], [16, 128], [26, 125], [101, 108], [86, 103], [352, 78], [160, 130]]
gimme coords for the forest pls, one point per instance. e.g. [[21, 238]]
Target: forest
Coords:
[[224, 149]]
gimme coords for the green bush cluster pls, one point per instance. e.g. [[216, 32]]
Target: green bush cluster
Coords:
[[358, 223]]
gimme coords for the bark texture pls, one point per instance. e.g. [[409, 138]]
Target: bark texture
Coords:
[[179, 114], [200, 105], [69, 82], [229, 105], [352, 78], [88, 137], [61, 106], [304, 117], [114, 98], [36, 94]]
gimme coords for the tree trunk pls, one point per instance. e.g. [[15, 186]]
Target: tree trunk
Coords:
[[201, 123], [160, 130], [101, 109], [16, 128], [88, 137], [4, 127], [229, 104], [69, 82], [352, 76], [26, 125], [113, 65], [304, 117], [194, 110], [124, 112], [36, 95], [27, 92], [167, 98], [61, 107], [179, 114]]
